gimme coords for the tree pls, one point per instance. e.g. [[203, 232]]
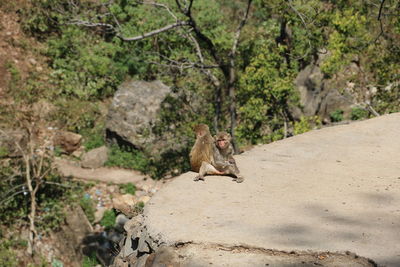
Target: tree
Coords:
[[212, 53], [26, 178]]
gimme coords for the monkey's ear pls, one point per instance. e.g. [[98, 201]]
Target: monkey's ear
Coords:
[[215, 137], [228, 135]]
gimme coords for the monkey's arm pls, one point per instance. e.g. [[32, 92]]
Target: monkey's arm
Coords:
[[219, 160]]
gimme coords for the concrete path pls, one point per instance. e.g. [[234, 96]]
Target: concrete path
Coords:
[[336, 189]]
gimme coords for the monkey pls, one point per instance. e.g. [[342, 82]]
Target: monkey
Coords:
[[224, 159], [202, 154]]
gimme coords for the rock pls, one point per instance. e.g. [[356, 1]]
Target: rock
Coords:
[[95, 158], [98, 215], [120, 221], [73, 232], [164, 256], [144, 199], [79, 152], [306, 197], [318, 95], [8, 140], [125, 203], [133, 118], [67, 141], [133, 112]]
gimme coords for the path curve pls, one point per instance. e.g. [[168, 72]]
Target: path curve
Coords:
[[336, 189]]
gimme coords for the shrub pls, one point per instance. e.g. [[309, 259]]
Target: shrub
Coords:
[[88, 207], [90, 261], [306, 124], [128, 188], [358, 113], [108, 220], [134, 159], [336, 116]]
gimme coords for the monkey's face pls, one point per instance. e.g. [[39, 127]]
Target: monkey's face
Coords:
[[222, 143], [200, 133]]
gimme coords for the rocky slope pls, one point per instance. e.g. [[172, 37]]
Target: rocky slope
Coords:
[[315, 198]]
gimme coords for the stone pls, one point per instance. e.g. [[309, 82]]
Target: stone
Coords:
[[133, 112], [318, 94], [95, 158], [133, 118], [67, 141], [98, 215], [144, 199], [125, 203]]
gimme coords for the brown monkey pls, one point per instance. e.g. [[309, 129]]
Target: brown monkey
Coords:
[[202, 154], [225, 161]]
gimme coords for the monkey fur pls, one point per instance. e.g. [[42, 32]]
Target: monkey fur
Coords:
[[202, 153], [225, 161]]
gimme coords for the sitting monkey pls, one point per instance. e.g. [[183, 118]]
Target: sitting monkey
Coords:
[[224, 160], [203, 153]]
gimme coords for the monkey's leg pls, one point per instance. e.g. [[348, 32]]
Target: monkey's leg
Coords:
[[206, 168], [234, 170]]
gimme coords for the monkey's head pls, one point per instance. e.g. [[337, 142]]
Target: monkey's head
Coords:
[[201, 130], [222, 140]]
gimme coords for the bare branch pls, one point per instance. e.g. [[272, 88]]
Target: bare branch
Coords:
[[161, 5], [237, 34], [379, 18], [91, 24], [10, 197], [149, 34]]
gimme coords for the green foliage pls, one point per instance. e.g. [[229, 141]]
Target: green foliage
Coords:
[[88, 206], [128, 188], [93, 137], [336, 116], [108, 220], [139, 207], [84, 65], [358, 113], [90, 261], [134, 159], [87, 64], [264, 96], [56, 263], [76, 115], [7, 255], [306, 124], [3, 151], [350, 34]]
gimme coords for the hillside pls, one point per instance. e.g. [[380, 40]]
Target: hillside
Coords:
[[71, 79]]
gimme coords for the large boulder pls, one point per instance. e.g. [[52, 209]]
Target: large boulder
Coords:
[[318, 94], [133, 113], [138, 118]]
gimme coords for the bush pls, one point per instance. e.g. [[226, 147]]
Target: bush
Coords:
[[336, 116], [306, 124], [134, 159], [90, 261], [358, 114], [93, 137], [108, 220], [88, 207], [7, 256], [128, 188]]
